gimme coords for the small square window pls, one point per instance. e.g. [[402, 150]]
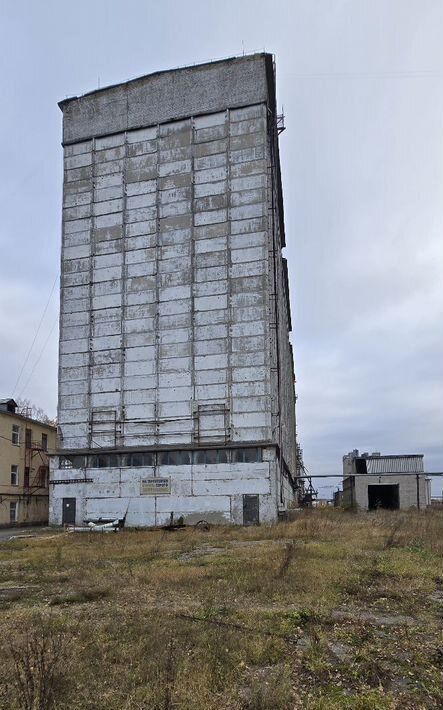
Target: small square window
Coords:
[[77, 462], [164, 458], [149, 458], [252, 455], [246, 455]]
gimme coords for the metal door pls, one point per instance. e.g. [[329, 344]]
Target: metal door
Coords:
[[68, 514], [250, 510]]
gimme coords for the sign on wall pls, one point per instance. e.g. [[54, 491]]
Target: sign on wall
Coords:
[[155, 486]]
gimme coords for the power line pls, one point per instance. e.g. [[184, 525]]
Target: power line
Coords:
[[19, 186], [373, 475], [418, 74], [39, 357], [36, 334]]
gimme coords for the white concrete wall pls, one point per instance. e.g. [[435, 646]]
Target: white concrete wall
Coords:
[[170, 334], [407, 490], [165, 285], [168, 95], [211, 492]]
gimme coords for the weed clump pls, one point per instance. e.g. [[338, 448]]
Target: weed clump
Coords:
[[80, 596], [39, 658]]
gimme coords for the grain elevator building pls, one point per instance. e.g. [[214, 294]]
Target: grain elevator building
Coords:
[[176, 380]]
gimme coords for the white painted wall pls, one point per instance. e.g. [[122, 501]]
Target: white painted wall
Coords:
[[213, 492]]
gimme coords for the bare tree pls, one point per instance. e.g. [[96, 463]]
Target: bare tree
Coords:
[[31, 410]]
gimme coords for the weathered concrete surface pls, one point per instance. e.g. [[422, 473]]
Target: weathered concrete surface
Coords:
[[403, 470], [407, 490], [166, 96], [213, 492], [174, 308]]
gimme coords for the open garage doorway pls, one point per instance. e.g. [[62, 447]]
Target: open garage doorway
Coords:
[[384, 496]]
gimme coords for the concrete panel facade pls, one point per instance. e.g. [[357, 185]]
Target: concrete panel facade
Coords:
[[413, 493], [174, 300], [405, 471]]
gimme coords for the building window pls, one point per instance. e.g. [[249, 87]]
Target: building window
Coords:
[[200, 457], [149, 458], [13, 512], [137, 459], [14, 475], [15, 435], [164, 458], [104, 461], [44, 442], [100, 461], [246, 455], [222, 456], [184, 457], [210, 456], [43, 476], [67, 462], [64, 462], [26, 477], [28, 438], [174, 458]]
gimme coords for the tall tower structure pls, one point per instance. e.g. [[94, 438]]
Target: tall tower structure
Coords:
[[176, 380]]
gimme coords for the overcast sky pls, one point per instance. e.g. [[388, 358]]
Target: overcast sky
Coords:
[[361, 82]]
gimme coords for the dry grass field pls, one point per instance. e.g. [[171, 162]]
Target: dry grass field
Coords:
[[334, 610]]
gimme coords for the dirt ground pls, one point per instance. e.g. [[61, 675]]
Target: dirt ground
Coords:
[[333, 610]]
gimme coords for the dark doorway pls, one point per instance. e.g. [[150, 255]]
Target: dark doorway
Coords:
[[68, 514], [383, 496], [250, 510], [360, 466]]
